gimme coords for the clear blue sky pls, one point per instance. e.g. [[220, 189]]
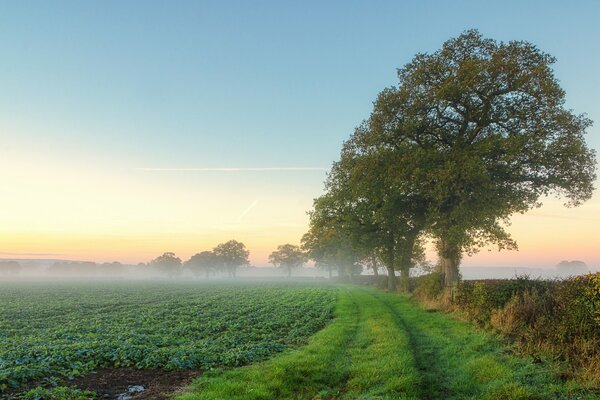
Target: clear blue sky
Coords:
[[131, 84]]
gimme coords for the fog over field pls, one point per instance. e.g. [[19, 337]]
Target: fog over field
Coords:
[[52, 269]]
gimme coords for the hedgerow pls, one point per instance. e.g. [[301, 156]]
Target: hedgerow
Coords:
[[558, 319]]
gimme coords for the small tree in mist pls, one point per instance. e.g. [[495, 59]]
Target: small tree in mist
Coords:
[[113, 268], [73, 268], [168, 263], [328, 241], [10, 267], [204, 262], [288, 256], [231, 255]]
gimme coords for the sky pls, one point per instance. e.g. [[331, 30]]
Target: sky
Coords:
[[128, 129]]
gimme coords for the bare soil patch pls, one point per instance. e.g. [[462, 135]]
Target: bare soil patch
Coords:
[[111, 383]]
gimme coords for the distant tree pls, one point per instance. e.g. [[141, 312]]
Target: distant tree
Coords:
[[288, 257], [231, 255], [113, 268], [372, 262], [379, 206], [329, 241], [203, 262], [168, 263], [575, 267], [10, 268], [73, 268]]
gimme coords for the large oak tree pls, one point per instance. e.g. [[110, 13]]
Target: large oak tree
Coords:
[[489, 135]]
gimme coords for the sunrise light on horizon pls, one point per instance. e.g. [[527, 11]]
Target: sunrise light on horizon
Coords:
[[122, 138]]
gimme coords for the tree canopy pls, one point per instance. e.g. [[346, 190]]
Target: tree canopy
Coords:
[[168, 263], [203, 262], [288, 256], [231, 255], [472, 133]]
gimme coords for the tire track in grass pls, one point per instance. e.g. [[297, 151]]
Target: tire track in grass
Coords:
[[456, 361], [383, 367], [434, 382]]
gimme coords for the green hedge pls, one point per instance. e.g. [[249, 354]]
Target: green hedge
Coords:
[[559, 319], [479, 299]]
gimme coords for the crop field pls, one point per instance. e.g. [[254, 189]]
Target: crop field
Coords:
[[51, 332], [286, 340]]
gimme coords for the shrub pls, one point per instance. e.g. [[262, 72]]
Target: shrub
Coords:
[[427, 287], [558, 318], [479, 299]]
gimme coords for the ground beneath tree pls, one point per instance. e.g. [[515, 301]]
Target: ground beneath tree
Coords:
[[116, 383]]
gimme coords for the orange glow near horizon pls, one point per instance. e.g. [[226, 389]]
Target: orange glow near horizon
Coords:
[[545, 237], [59, 209]]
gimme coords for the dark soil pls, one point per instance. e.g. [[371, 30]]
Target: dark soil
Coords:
[[111, 382]]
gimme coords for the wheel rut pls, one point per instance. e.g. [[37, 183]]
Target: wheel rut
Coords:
[[435, 383]]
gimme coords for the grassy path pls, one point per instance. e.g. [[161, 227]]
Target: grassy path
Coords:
[[383, 346]]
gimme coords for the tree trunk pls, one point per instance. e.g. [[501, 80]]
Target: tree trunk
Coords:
[[375, 268], [329, 269], [449, 254], [404, 274], [391, 279], [407, 262], [207, 273], [391, 258], [289, 272]]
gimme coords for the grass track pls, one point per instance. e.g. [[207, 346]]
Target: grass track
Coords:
[[383, 346]]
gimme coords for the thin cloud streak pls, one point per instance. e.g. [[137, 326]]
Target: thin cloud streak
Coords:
[[247, 210], [233, 169]]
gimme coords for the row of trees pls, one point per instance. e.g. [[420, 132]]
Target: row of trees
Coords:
[[10, 267], [225, 257], [472, 133], [228, 257]]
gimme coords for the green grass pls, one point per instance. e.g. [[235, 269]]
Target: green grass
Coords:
[[384, 346]]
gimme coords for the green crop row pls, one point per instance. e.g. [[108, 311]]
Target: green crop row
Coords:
[[66, 330]]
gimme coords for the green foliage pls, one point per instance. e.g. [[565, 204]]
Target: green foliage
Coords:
[[231, 255], [168, 263], [428, 286], [480, 298], [203, 262], [556, 318], [58, 393], [473, 133], [329, 241], [288, 256], [563, 320], [66, 330]]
